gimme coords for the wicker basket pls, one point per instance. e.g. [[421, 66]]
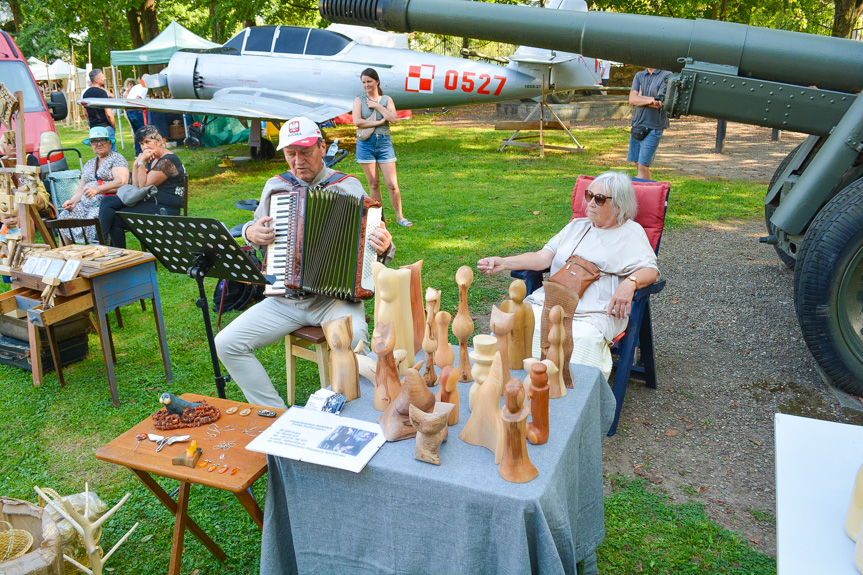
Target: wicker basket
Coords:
[[13, 542]]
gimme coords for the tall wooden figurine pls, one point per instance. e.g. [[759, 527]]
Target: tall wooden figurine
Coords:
[[556, 294], [462, 325], [521, 338], [482, 355], [431, 431], [430, 343], [484, 427], [537, 429], [501, 324], [387, 384], [443, 355], [555, 349], [417, 303], [344, 371], [448, 392], [515, 465], [395, 420], [551, 372], [393, 297]]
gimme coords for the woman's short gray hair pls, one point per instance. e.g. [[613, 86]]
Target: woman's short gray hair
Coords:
[[619, 186], [148, 132]]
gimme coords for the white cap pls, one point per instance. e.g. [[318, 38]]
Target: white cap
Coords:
[[299, 131]]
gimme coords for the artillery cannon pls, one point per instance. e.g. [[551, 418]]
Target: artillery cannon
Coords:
[[778, 79]]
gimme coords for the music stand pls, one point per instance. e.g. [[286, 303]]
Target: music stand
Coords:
[[199, 248]]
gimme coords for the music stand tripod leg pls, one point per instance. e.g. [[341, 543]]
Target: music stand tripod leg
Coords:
[[199, 272]]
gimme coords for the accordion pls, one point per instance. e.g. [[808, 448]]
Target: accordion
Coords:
[[321, 244]]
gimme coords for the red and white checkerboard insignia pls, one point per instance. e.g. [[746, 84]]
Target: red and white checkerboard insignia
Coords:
[[420, 79]]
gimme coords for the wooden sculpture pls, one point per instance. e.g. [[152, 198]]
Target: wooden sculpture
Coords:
[[462, 325], [367, 365], [430, 339], [431, 431], [501, 324], [387, 384], [395, 420], [537, 429], [443, 355], [556, 294], [555, 349], [515, 465], [448, 392], [484, 427], [344, 369], [551, 372], [402, 364], [521, 338], [417, 303], [482, 356], [393, 297]]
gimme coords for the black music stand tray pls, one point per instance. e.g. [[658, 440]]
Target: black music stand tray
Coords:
[[199, 248]]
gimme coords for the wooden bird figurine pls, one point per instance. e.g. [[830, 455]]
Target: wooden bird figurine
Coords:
[[448, 392], [175, 405], [431, 431], [395, 420], [443, 355], [430, 343]]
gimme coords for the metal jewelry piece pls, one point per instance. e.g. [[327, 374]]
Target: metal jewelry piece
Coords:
[[171, 440], [235, 471], [211, 468], [140, 437], [204, 463], [232, 410], [245, 412], [224, 468]]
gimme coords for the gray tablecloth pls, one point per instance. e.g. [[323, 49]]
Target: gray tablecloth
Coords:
[[404, 516]]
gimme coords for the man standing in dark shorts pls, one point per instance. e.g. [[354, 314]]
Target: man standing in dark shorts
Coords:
[[99, 116], [648, 117]]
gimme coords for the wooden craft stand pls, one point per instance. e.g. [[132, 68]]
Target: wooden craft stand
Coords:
[[540, 125]]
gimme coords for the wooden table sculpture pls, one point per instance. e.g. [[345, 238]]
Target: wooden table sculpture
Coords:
[[555, 349], [448, 392], [395, 421], [515, 465], [556, 294], [501, 324], [344, 370], [367, 365], [443, 354], [392, 291], [551, 372], [431, 431], [484, 427], [521, 338], [430, 339], [417, 303], [482, 355], [537, 429], [462, 325], [387, 384]]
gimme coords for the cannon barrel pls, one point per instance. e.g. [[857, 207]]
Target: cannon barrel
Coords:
[[656, 42]]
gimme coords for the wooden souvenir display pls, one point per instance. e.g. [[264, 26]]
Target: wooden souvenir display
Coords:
[[417, 303], [387, 384], [484, 427], [431, 431], [482, 355], [501, 324], [344, 370], [556, 294], [448, 392], [443, 354], [462, 325], [395, 420], [521, 338], [392, 291], [430, 340], [555, 348], [515, 465], [537, 429], [551, 372]]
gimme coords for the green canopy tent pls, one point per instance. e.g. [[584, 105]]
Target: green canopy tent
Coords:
[[160, 49]]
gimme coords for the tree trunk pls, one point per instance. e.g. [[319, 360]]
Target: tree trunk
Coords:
[[109, 37], [465, 46], [845, 16], [217, 25], [15, 7], [133, 17], [149, 21], [249, 22]]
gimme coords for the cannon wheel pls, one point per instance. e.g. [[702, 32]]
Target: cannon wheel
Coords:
[[267, 151], [828, 289], [560, 97], [770, 208]]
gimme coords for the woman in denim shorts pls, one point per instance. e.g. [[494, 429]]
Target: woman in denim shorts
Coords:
[[374, 110]]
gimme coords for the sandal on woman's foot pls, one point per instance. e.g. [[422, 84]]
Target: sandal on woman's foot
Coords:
[[404, 222]]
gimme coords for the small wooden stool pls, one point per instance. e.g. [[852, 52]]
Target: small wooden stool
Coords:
[[299, 343]]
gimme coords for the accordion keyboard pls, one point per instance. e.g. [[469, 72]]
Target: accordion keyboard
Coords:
[[284, 211]]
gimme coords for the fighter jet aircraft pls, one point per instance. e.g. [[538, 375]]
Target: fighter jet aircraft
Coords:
[[278, 72]]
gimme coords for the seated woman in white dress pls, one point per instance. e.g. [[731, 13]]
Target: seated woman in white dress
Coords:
[[609, 238]]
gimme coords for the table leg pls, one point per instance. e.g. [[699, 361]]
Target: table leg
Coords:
[[35, 353], [176, 509], [107, 353], [111, 340], [160, 324], [179, 529], [251, 506], [55, 354]]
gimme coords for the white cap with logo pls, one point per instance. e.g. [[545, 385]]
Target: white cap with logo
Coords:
[[299, 131]]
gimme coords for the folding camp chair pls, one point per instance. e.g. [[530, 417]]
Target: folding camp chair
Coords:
[[652, 198], [62, 185]]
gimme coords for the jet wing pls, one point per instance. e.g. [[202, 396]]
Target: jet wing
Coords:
[[259, 104]]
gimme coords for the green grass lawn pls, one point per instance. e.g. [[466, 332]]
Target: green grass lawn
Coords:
[[467, 201]]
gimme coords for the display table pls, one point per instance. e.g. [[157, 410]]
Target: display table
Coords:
[[400, 515], [816, 463], [145, 461]]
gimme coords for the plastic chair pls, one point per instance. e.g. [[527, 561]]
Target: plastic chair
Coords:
[[652, 198]]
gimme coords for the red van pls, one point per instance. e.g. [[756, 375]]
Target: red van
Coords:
[[39, 116]]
